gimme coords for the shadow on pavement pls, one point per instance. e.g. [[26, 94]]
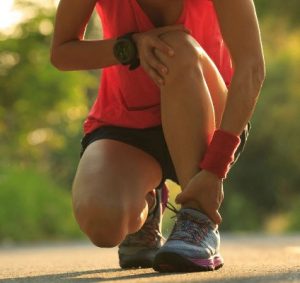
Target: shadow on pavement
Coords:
[[117, 274], [100, 275]]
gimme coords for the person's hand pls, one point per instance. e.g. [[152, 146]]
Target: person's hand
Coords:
[[204, 192], [146, 42]]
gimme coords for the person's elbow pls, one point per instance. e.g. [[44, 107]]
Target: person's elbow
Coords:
[[258, 74], [56, 59], [252, 73]]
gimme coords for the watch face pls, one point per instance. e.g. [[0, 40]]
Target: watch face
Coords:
[[124, 50]]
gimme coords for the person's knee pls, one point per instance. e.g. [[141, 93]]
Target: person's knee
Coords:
[[106, 236], [106, 222], [108, 239], [188, 53]]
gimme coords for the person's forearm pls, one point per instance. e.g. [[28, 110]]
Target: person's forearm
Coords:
[[240, 30], [83, 55], [242, 97]]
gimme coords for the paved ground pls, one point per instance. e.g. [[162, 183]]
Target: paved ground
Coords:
[[247, 259]]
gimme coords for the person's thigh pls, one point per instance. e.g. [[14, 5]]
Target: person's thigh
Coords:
[[109, 190]]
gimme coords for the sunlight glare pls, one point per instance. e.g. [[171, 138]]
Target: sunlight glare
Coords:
[[8, 17]]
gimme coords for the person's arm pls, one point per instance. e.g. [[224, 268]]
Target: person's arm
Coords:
[[240, 30], [71, 52], [69, 49]]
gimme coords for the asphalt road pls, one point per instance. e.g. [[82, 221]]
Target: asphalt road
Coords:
[[255, 258]]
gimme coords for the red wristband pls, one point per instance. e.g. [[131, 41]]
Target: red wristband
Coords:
[[220, 153]]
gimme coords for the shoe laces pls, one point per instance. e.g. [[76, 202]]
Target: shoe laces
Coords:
[[172, 208], [189, 228]]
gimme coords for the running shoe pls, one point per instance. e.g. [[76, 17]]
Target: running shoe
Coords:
[[139, 249], [193, 245]]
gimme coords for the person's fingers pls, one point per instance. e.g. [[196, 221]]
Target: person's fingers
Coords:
[[154, 75], [163, 47], [155, 63], [158, 67], [182, 197], [218, 218], [154, 34], [188, 194], [215, 216], [211, 211]]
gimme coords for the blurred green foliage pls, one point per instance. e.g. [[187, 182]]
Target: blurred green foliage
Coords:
[[41, 115], [33, 207], [41, 109], [283, 11], [266, 180]]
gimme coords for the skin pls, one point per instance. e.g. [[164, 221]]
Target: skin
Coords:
[[204, 104], [167, 53], [205, 188]]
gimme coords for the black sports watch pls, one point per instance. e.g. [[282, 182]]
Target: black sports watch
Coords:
[[126, 52]]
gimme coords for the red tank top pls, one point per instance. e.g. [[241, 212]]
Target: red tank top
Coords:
[[130, 98]]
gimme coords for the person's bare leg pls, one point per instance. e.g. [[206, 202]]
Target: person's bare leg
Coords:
[[110, 189], [192, 103]]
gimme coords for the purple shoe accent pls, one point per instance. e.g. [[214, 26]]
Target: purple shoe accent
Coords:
[[218, 262], [213, 263], [164, 196]]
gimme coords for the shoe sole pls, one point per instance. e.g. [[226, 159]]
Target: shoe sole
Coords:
[[142, 259], [137, 263], [173, 262]]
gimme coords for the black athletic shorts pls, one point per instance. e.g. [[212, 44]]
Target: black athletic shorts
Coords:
[[150, 140]]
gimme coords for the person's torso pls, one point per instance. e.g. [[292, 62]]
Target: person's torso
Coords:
[[131, 98], [162, 13]]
